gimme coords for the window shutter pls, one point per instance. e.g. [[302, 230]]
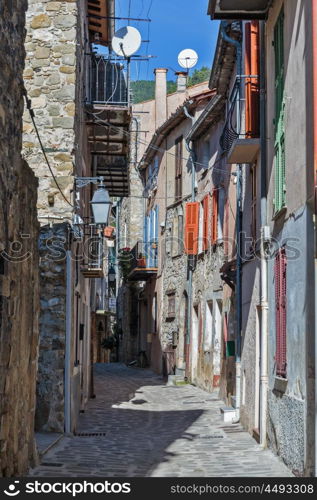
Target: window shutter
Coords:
[[280, 188], [206, 220], [191, 228], [252, 67], [214, 229], [280, 304], [277, 309]]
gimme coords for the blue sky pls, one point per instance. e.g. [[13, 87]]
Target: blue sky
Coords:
[[176, 25]]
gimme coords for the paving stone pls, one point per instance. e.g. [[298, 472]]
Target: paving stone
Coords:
[[163, 437]]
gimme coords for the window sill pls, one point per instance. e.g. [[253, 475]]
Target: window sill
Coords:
[[280, 213], [280, 384]]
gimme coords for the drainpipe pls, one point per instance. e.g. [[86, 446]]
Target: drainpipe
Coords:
[[238, 293], [314, 35], [68, 342], [238, 46], [264, 267], [191, 258]]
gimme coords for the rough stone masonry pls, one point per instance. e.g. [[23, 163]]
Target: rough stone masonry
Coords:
[[19, 303]]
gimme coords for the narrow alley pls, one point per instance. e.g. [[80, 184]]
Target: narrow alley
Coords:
[[139, 426]]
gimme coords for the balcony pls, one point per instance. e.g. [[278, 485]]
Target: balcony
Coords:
[[108, 121], [244, 150], [144, 263], [93, 264], [238, 9]]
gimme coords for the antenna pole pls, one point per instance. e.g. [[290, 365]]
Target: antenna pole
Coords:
[[128, 79]]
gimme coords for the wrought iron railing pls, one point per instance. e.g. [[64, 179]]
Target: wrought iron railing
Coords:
[[107, 81]]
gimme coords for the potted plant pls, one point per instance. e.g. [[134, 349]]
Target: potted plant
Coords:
[[125, 259], [141, 261], [108, 231]]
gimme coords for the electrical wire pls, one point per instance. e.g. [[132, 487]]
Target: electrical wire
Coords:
[[156, 148], [32, 115], [148, 38]]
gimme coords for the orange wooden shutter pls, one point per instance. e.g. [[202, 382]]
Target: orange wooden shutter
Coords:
[[252, 67], [214, 229], [191, 228], [206, 220]]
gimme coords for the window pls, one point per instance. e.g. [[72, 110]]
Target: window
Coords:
[[154, 313], [178, 168], [191, 228], [252, 67], [214, 228], [171, 304], [253, 201], [280, 307], [206, 222], [201, 227], [208, 327], [279, 159]]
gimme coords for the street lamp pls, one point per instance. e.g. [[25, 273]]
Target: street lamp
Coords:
[[101, 205], [111, 274]]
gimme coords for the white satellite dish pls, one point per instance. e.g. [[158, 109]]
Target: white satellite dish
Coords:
[[126, 41], [187, 58]]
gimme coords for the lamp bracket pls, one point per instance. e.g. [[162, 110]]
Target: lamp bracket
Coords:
[[84, 181]]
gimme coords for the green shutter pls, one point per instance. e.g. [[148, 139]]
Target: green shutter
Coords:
[[279, 162]]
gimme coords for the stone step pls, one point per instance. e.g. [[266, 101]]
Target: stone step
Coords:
[[229, 414]]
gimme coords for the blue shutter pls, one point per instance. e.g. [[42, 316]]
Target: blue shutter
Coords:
[[151, 237]]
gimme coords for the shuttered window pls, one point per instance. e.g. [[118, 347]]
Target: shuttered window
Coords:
[[252, 68], [178, 168], [280, 306], [206, 222], [191, 228], [214, 219], [279, 160]]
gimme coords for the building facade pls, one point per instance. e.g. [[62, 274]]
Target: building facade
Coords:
[[69, 77], [278, 320], [19, 277]]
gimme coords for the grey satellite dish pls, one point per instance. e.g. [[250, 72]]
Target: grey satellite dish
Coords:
[[187, 58], [126, 41]]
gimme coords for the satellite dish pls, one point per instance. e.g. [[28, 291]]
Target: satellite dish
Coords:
[[187, 58], [126, 41]]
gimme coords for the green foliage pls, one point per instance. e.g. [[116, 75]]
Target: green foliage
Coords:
[[144, 90], [198, 76], [109, 342]]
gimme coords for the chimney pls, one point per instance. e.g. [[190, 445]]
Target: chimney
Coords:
[[181, 81], [160, 96]]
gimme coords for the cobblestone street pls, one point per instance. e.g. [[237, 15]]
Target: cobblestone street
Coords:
[[145, 428]]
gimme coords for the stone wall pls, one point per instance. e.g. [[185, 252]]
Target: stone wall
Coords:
[[18, 264], [50, 77], [50, 379]]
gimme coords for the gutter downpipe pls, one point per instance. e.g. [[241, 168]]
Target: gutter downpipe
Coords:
[[314, 42], [191, 258], [68, 342], [264, 264], [238, 46]]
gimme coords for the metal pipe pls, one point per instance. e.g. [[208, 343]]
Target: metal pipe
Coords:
[[67, 373], [191, 151], [314, 43], [238, 293], [238, 46], [263, 270]]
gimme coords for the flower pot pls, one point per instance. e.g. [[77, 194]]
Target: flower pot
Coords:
[[108, 231], [141, 262]]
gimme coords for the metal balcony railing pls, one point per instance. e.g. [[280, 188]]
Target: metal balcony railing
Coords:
[[107, 81], [145, 254]]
